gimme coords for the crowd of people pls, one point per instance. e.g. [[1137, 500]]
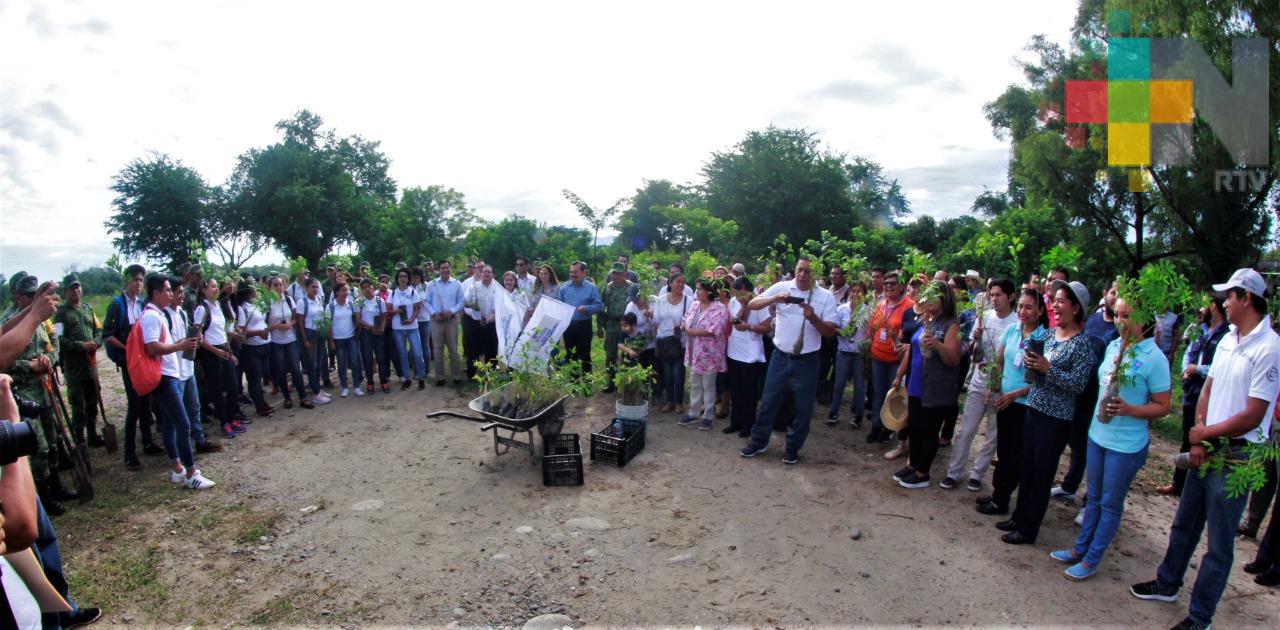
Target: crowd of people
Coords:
[[1038, 364]]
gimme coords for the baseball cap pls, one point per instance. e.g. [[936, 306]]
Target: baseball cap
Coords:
[[618, 268], [739, 268], [25, 285], [1081, 293], [1246, 279], [70, 280]]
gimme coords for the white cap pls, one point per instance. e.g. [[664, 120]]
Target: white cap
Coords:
[[739, 268], [1246, 279], [1075, 287], [973, 273]]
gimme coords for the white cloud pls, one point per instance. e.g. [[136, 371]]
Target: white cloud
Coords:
[[508, 102]]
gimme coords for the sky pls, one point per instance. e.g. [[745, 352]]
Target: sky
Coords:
[[507, 102]]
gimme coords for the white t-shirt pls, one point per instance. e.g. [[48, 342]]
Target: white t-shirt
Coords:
[[667, 315], [186, 369], [853, 343], [484, 297], [216, 333], [644, 326], [156, 328], [688, 292], [424, 313], [250, 319], [746, 346], [373, 307], [344, 326], [1245, 368], [406, 299], [789, 318], [26, 610], [312, 310], [526, 283], [995, 327], [281, 311]]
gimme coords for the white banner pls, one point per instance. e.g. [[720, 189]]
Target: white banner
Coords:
[[536, 339]]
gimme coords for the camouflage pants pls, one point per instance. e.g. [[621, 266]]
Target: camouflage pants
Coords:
[[612, 333], [82, 397]]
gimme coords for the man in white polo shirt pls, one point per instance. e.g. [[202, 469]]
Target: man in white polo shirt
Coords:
[[1239, 394], [805, 314]]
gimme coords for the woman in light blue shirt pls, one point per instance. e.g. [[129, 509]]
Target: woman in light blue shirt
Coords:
[[1118, 437]]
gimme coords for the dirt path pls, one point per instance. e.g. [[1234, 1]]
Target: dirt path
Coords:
[[418, 522]]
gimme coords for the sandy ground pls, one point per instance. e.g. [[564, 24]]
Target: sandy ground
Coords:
[[418, 522]]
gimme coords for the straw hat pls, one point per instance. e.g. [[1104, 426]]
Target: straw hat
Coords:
[[894, 412]]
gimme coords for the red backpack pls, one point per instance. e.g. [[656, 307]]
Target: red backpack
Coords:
[[144, 369]]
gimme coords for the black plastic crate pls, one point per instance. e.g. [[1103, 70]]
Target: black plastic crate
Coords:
[[561, 460], [608, 447]]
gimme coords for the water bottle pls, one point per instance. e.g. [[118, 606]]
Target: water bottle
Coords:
[[617, 428]]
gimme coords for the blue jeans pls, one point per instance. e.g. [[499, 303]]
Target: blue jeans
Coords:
[[1110, 475], [372, 349], [348, 354], [285, 362], [46, 550], [799, 374], [848, 365], [882, 373], [191, 401], [673, 380], [318, 361], [253, 361], [415, 349], [424, 337], [1204, 500], [169, 397]]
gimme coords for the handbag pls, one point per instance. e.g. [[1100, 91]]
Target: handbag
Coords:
[[671, 348]]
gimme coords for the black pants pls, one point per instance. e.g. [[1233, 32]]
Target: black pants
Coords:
[[744, 392], [648, 358], [137, 411], [1188, 421], [471, 344], [1043, 440], [826, 369], [220, 386], [953, 412], [1086, 404], [487, 342], [577, 343], [1004, 480], [1269, 549], [1260, 500], [923, 425]]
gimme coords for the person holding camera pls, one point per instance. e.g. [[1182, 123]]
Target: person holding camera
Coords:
[[805, 314], [170, 394], [81, 336], [32, 365], [1235, 407]]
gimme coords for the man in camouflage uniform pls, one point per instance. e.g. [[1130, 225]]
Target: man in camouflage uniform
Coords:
[[81, 334], [614, 296], [37, 360], [193, 289]]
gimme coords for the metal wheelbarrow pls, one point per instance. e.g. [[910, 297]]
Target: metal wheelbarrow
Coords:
[[548, 422]]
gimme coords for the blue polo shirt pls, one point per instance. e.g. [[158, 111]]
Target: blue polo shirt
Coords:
[[1012, 376], [581, 294], [1149, 369]]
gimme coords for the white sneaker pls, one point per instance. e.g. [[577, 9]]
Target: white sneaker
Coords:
[[359, 392], [345, 391], [177, 477], [1062, 495], [1080, 519], [321, 398], [198, 482]]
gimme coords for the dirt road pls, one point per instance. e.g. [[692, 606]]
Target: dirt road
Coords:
[[364, 512]]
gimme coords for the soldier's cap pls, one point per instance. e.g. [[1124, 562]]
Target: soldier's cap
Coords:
[[618, 268], [195, 268], [26, 285], [244, 275], [364, 264], [70, 280], [13, 282], [184, 267]]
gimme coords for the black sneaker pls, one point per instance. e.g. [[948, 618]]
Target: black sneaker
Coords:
[[132, 463], [906, 470], [855, 424], [833, 419], [992, 509], [1189, 624], [874, 435], [1151, 590], [886, 436], [439, 382], [750, 451], [406, 384], [152, 449], [790, 458], [947, 483], [974, 485], [83, 617], [914, 481], [422, 384]]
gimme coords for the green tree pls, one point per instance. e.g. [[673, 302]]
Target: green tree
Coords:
[[313, 190], [694, 228], [781, 180], [639, 226], [597, 218], [499, 243], [416, 227], [158, 210]]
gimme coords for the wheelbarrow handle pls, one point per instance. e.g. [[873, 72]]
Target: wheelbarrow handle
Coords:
[[454, 414]]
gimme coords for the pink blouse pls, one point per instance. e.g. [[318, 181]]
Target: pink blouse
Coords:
[[706, 354]]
